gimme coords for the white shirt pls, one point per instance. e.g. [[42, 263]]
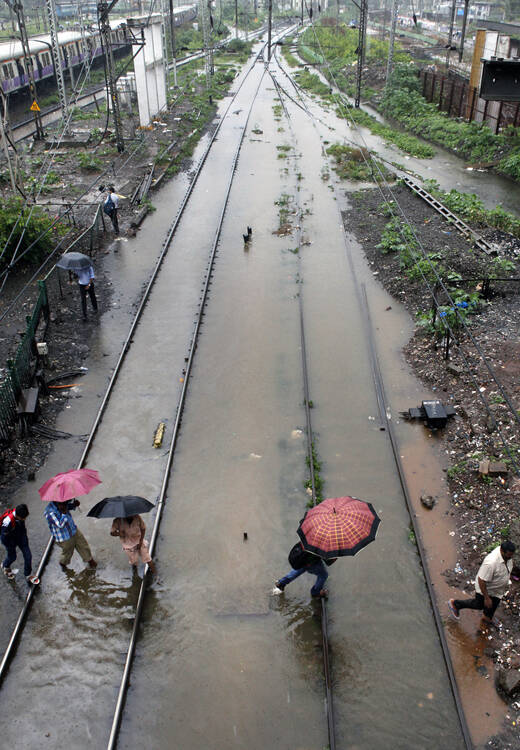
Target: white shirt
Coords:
[[495, 571], [115, 199]]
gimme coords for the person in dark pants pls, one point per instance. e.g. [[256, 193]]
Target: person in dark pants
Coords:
[[306, 562], [491, 584], [13, 534], [111, 207], [86, 286]]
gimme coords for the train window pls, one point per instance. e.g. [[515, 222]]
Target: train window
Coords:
[[5, 71], [46, 58]]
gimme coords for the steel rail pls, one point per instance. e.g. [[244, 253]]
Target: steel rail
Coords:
[[310, 453], [466, 230], [126, 345], [171, 450], [387, 425], [381, 398]]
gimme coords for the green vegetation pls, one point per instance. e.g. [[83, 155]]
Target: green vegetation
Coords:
[[340, 45], [34, 223], [407, 143], [89, 162], [292, 62], [402, 100], [283, 151], [456, 469], [354, 163], [313, 83], [283, 208], [318, 481], [471, 208]]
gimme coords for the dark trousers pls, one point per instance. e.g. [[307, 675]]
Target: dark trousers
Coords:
[[114, 220], [478, 603], [11, 556], [318, 569], [83, 291]]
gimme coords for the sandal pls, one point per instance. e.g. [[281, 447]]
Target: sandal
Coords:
[[8, 572], [33, 579]]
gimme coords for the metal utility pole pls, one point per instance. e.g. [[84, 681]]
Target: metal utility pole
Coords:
[[174, 46], [17, 8], [104, 9], [450, 34], [236, 19], [207, 51], [56, 55], [463, 33], [269, 30], [363, 13], [390, 63]]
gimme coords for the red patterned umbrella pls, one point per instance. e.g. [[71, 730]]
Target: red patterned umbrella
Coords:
[[339, 526]]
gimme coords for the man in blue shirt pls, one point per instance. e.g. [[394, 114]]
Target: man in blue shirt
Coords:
[[86, 284], [66, 534]]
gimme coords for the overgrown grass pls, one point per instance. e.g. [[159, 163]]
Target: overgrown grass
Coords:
[[475, 142], [35, 227], [353, 163], [471, 208], [404, 141]]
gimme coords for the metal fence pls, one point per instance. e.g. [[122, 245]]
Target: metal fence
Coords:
[[21, 369], [457, 98]]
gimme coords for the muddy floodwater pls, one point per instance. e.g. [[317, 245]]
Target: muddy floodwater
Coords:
[[221, 662]]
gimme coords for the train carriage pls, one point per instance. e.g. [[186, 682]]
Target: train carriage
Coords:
[[75, 47]]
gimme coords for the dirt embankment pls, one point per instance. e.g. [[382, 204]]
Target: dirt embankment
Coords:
[[477, 379]]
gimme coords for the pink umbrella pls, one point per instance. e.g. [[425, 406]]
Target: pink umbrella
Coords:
[[69, 484]]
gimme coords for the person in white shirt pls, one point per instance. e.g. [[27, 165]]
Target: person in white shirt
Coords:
[[111, 207], [491, 583], [86, 285]]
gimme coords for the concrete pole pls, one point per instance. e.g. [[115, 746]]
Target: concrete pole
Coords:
[[269, 30], [390, 63], [174, 46], [463, 33], [450, 34]]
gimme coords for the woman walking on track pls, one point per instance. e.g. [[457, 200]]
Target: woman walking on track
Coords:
[[131, 533]]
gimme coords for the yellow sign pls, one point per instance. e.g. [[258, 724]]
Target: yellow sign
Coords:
[[34, 106]]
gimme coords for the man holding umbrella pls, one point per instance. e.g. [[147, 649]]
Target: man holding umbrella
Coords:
[[59, 493], [337, 527], [81, 265]]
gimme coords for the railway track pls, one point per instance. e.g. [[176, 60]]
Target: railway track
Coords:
[[385, 424], [299, 99], [18, 629]]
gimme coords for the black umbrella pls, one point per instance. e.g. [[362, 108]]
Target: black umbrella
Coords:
[[121, 506], [74, 261]]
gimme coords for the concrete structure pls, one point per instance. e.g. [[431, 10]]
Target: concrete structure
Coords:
[[493, 40], [149, 67]]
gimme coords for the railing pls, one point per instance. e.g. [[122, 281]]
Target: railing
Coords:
[[457, 98], [22, 367]]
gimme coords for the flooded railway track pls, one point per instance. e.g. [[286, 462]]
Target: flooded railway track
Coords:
[[299, 100], [118, 718], [10, 652]]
